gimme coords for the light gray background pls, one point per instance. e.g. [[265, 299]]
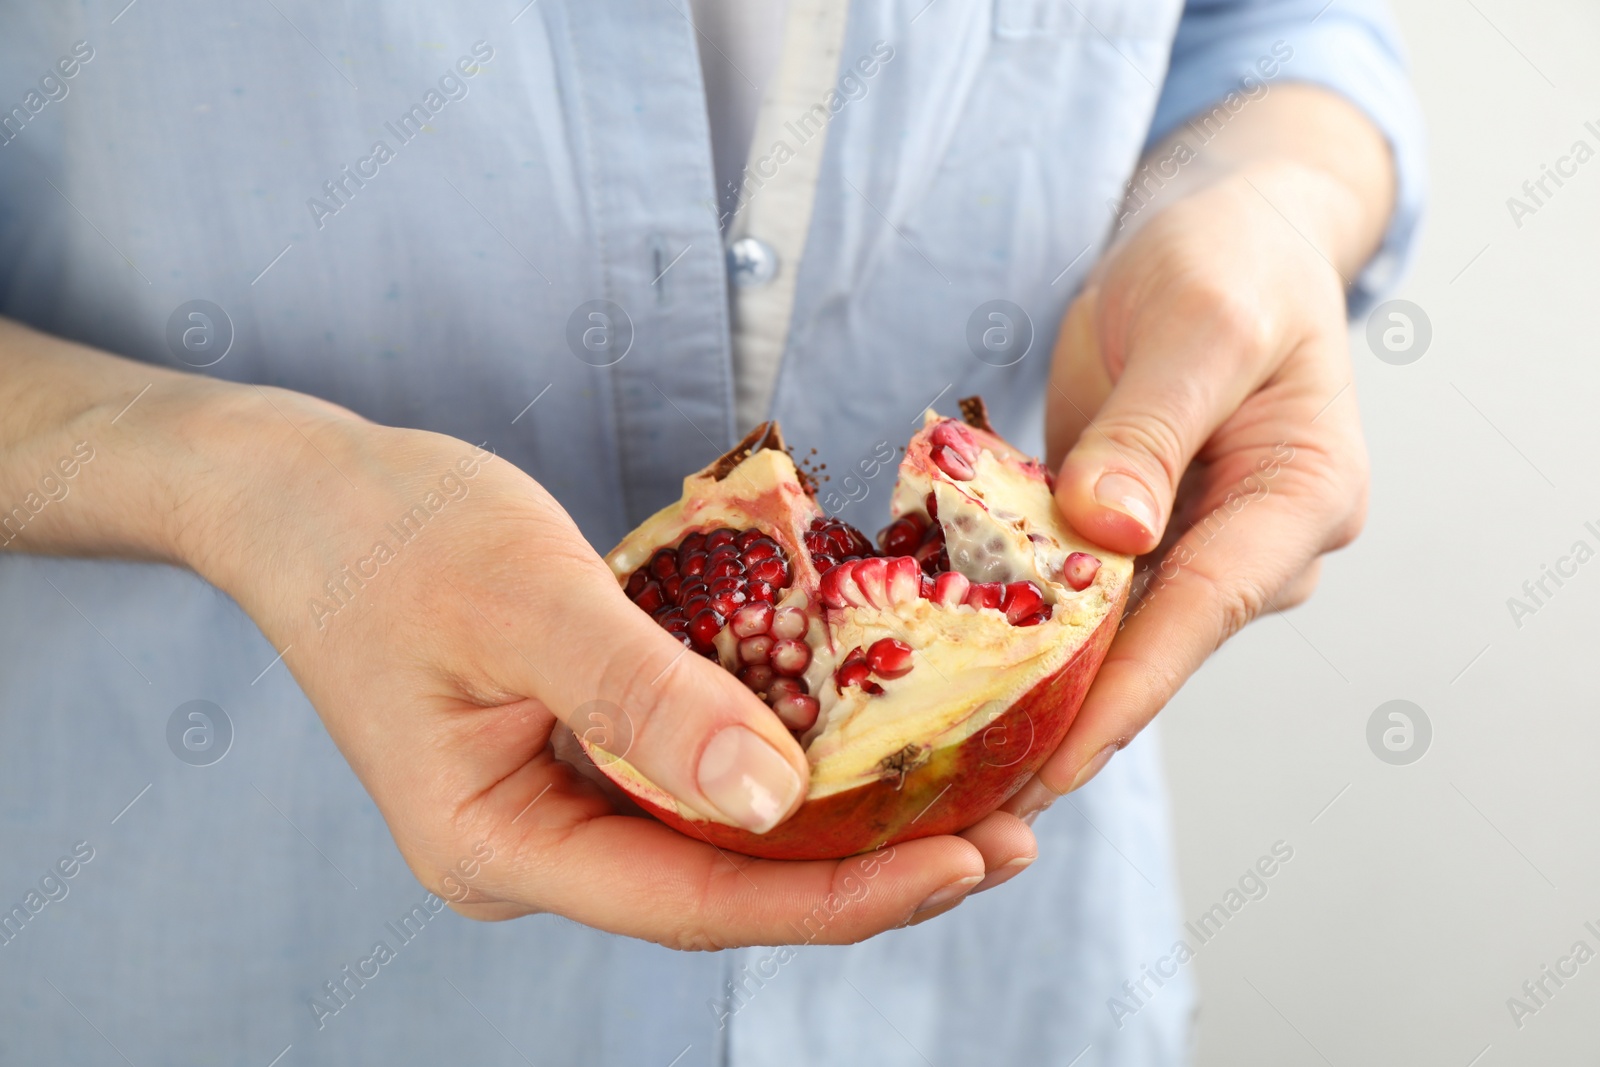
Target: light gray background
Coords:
[[1423, 897]]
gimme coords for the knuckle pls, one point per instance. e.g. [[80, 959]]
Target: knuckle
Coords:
[[1346, 530], [1299, 591], [1238, 611], [1236, 324], [1152, 435], [1355, 518], [1230, 322], [632, 689], [690, 937], [1238, 602], [1348, 477]]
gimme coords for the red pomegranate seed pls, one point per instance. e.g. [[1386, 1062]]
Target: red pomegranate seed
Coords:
[[673, 619], [692, 563], [985, 595], [693, 605], [932, 555], [671, 587], [650, 597], [871, 577], [691, 588], [950, 589], [1019, 600], [720, 536], [1035, 619], [748, 538], [838, 588], [764, 592], [704, 626], [695, 542], [791, 657], [925, 588], [797, 711], [636, 582], [889, 658], [725, 568], [771, 571], [789, 623], [755, 649], [1079, 570], [728, 603], [766, 548], [953, 464], [932, 504], [781, 686], [853, 672], [751, 619], [757, 677], [902, 536], [664, 564], [836, 538], [902, 580]]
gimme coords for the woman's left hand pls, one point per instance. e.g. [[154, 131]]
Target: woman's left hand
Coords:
[[1201, 398]]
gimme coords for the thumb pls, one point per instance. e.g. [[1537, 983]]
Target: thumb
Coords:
[[1116, 486], [623, 683]]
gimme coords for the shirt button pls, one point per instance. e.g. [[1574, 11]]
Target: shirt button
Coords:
[[751, 262]]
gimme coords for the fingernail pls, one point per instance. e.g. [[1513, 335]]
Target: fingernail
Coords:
[[949, 894], [1004, 873], [1124, 493], [747, 779], [1033, 798], [1092, 768]]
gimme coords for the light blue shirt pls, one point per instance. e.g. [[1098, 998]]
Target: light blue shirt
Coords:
[[534, 160]]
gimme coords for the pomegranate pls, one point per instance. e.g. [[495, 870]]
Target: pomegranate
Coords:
[[926, 676]]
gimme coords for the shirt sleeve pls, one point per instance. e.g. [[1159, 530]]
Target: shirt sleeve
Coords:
[[1350, 47]]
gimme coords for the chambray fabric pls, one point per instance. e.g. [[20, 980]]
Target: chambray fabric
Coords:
[[572, 165]]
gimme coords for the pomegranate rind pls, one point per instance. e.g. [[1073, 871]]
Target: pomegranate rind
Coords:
[[954, 785]]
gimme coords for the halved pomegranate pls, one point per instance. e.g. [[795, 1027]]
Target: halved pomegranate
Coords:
[[926, 677]]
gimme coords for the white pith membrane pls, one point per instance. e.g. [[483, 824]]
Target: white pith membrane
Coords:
[[969, 664]]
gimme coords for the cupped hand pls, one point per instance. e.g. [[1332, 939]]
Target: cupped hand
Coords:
[[449, 622], [1201, 411]]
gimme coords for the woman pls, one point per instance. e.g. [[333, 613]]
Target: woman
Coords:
[[278, 275]]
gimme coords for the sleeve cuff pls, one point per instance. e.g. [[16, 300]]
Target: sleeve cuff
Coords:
[[1351, 48]]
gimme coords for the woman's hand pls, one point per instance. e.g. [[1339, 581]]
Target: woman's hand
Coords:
[[1201, 410], [452, 627], [450, 624]]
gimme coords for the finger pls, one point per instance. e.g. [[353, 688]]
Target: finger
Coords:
[[616, 679], [1177, 378], [1216, 578], [1007, 846], [640, 878]]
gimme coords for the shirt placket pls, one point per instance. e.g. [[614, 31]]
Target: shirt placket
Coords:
[[657, 268]]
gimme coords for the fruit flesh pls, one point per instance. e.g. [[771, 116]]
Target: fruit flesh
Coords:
[[978, 615]]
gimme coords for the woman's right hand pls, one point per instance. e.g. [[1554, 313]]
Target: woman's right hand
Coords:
[[448, 620]]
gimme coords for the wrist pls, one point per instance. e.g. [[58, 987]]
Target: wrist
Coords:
[[1333, 217], [258, 463]]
